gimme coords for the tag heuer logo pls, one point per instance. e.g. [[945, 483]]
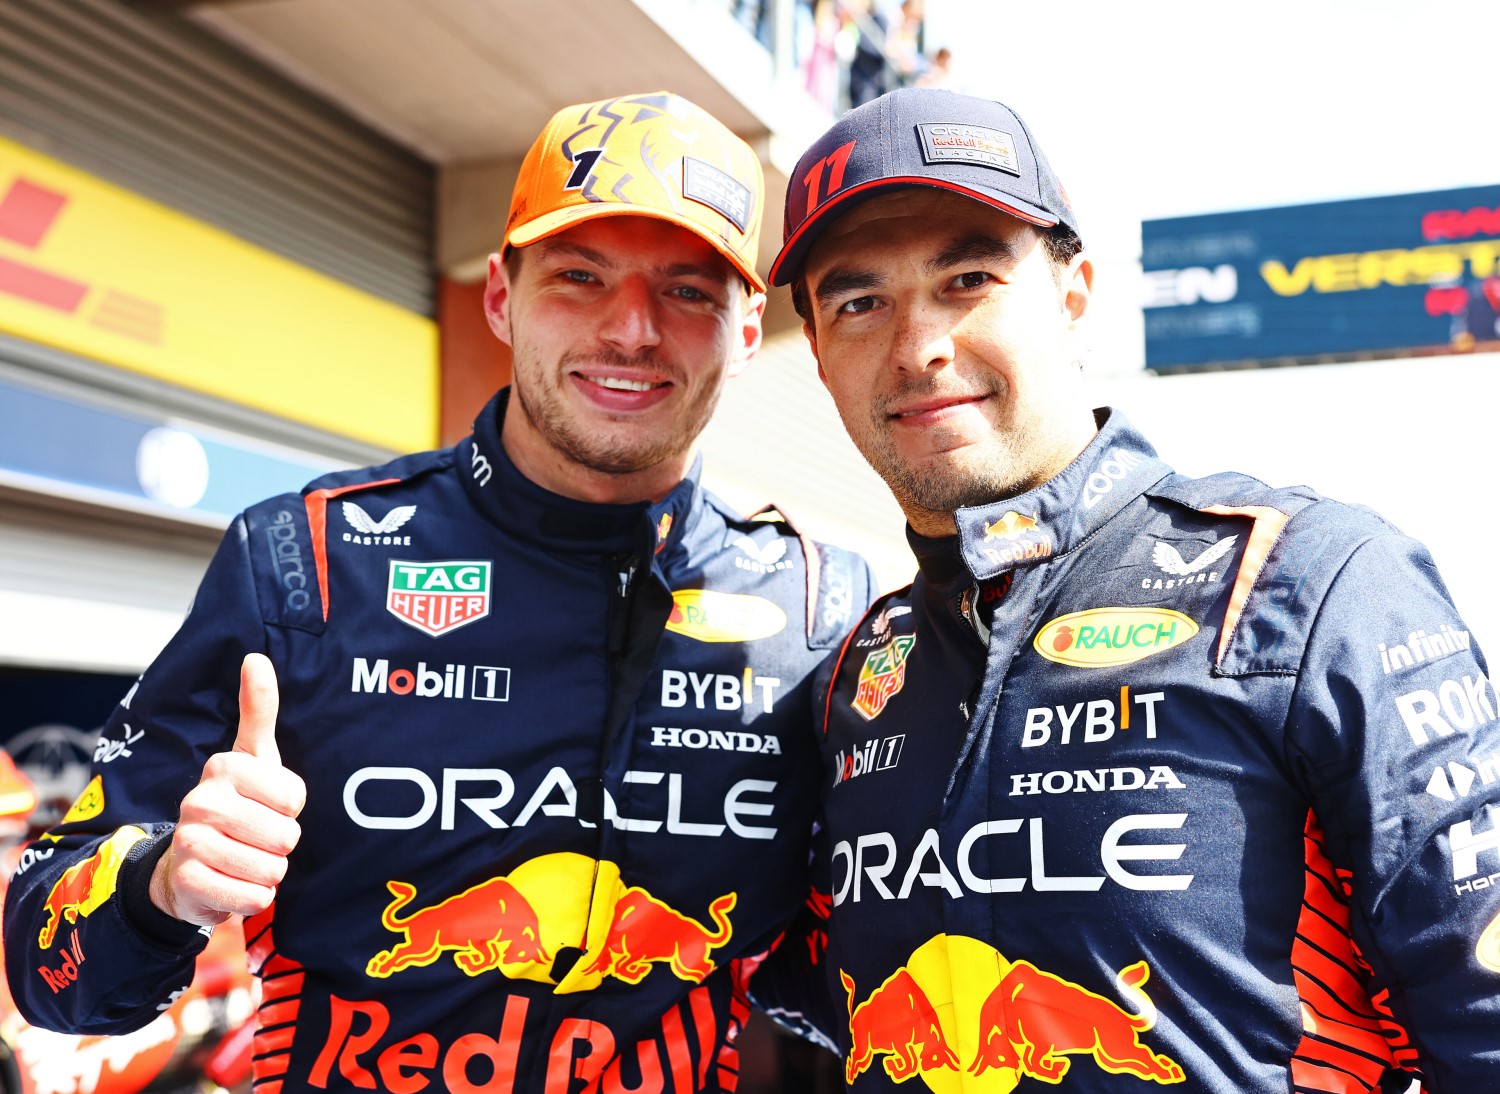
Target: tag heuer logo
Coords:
[[882, 675], [437, 597]]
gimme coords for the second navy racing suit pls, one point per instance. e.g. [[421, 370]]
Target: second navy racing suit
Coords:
[[1150, 779]]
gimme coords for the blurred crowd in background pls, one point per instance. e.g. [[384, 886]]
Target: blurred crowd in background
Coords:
[[848, 52]]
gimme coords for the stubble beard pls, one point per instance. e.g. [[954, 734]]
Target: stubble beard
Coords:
[[623, 451], [973, 475]]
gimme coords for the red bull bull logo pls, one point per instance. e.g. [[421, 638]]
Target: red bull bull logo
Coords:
[[899, 1022], [1011, 525], [644, 931], [485, 926], [945, 1017], [882, 675], [85, 886], [517, 924]]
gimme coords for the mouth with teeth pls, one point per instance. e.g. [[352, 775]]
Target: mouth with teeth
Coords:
[[619, 383], [620, 393]]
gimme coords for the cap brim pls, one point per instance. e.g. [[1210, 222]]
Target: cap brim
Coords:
[[558, 220], [794, 251]]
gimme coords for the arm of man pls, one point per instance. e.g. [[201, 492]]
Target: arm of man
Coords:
[[102, 930], [1395, 729], [791, 986]]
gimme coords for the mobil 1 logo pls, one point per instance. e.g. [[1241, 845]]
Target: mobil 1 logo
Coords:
[[487, 683]]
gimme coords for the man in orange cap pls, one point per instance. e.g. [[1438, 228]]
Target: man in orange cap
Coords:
[[538, 701]]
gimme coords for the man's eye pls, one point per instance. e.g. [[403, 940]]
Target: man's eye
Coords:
[[971, 280], [688, 292], [578, 277], [858, 305]]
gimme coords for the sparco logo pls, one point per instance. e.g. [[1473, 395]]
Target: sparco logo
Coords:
[[286, 556], [878, 754], [486, 682]]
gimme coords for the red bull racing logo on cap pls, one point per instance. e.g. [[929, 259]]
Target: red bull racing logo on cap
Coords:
[[518, 924], [882, 675], [437, 597], [960, 1016]]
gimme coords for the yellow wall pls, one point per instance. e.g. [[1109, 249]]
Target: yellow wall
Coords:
[[93, 269]]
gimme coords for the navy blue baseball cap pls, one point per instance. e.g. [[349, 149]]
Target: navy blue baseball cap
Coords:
[[918, 136]]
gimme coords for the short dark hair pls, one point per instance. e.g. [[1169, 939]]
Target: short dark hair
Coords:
[[1061, 243]]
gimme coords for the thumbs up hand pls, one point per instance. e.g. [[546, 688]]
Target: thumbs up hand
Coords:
[[238, 825]]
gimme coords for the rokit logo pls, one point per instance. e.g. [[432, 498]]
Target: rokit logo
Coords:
[[1460, 705], [377, 533], [489, 683], [878, 754]]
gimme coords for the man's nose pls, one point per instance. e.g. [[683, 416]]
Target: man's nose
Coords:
[[924, 339], [629, 319]]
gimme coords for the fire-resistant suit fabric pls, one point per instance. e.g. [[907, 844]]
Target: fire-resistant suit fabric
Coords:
[[560, 775], [1150, 779]]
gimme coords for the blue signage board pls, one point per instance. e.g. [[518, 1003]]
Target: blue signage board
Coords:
[[1373, 275], [151, 463]]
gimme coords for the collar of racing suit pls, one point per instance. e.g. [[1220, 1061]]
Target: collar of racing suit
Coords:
[[1118, 465], [522, 508]]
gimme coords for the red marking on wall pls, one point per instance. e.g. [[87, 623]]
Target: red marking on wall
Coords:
[[40, 287], [27, 212]]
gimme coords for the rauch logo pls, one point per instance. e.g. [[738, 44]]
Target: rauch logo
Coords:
[[437, 597], [1112, 636]]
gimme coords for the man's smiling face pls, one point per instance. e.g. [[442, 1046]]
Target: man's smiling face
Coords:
[[623, 331], [946, 337]]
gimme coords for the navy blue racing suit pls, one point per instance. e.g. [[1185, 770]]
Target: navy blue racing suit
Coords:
[[560, 783], [1150, 779]]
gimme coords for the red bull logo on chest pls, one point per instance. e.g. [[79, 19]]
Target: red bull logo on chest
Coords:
[[882, 675], [437, 597], [518, 924], [961, 1016]]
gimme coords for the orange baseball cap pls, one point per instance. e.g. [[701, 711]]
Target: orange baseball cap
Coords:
[[654, 155]]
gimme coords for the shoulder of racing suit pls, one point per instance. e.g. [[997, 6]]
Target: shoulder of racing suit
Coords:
[[1296, 546]]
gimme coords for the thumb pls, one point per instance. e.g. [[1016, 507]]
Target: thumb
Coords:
[[259, 701]]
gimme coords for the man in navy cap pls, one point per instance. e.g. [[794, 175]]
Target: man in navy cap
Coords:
[[1146, 778]]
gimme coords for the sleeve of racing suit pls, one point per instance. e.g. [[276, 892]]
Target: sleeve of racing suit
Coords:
[[1395, 727], [791, 986], [85, 949]]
